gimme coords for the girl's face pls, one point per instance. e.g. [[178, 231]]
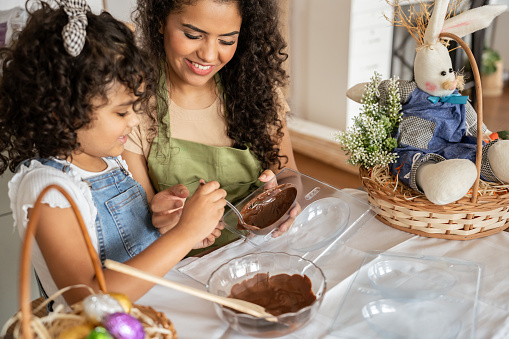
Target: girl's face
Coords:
[[200, 39], [112, 121]]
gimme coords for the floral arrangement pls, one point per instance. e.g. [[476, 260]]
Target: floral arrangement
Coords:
[[370, 141]]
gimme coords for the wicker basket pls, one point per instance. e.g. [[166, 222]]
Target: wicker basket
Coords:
[[26, 324], [468, 218]]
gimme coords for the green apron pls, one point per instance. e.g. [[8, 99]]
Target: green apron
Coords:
[[175, 161]]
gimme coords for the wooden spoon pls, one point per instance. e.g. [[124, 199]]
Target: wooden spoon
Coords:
[[237, 304]]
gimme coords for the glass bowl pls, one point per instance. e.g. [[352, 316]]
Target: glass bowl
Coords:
[[243, 268], [318, 224]]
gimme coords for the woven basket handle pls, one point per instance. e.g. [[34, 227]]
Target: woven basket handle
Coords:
[[24, 296], [478, 91]]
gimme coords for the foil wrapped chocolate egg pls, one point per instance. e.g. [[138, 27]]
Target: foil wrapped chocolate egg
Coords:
[[123, 300], [123, 326], [97, 306], [99, 333], [76, 332]]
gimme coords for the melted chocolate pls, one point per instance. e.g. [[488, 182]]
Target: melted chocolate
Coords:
[[268, 207], [278, 294]]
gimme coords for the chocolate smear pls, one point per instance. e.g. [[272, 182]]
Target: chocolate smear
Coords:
[[278, 294], [268, 207]]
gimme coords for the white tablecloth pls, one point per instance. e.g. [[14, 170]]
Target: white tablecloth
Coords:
[[196, 318]]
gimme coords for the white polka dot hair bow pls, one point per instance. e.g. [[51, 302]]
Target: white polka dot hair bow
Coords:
[[75, 31]]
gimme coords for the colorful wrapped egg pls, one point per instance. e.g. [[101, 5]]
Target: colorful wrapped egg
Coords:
[[97, 306], [123, 300], [99, 333], [123, 326]]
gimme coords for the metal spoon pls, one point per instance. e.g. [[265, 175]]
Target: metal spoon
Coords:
[[234, 209], [202, 182]]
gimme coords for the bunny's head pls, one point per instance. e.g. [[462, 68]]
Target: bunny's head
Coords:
[[433, 67]]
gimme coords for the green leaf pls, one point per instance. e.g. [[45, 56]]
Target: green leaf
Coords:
[[503, 135]]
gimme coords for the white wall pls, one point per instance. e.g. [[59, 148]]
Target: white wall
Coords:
[[319, 33], [333, 46], [500, 42], [120, 9]]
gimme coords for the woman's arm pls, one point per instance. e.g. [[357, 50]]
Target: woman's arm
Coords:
[[138, 168], [285, 146], [286, 149]]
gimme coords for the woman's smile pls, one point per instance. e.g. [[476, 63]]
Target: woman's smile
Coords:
[[199, 69]]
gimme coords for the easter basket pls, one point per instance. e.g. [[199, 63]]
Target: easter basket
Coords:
[[62, 323], [482, 212]]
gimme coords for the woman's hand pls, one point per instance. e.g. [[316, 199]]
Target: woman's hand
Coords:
[[294, 212], [211, 238], [166, 207], [269, 178]]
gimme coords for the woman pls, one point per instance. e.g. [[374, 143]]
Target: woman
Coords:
[[220, 112]]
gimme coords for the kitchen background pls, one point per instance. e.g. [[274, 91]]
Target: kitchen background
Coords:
[[333, 44]]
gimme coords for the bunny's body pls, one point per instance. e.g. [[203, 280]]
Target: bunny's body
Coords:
[[437, 133]]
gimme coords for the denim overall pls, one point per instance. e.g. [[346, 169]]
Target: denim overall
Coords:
[[176, 161], [123, 222]]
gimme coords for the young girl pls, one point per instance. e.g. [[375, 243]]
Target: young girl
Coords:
[[70, 88], [221, 114]]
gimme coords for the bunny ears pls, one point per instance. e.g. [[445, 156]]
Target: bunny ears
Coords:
[[425, 28], [472, 20], [462, 24]]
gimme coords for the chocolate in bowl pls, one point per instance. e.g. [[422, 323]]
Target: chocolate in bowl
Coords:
[[268, 209], [242, 270]]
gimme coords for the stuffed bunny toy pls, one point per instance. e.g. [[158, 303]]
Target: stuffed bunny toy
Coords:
[[437, 133]]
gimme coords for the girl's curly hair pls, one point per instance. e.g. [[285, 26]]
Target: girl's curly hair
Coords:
[[45, 93], [250, 78]]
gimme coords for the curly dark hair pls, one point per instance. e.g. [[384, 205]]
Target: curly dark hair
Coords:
[[45, 93], [249, 79]]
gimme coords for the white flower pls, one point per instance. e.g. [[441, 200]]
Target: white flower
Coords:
[[367, 140]]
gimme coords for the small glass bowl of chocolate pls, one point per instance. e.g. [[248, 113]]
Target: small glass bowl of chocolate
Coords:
[[269, 209], [288, 286]]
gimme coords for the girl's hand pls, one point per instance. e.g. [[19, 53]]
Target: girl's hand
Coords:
[[211, 238], [166, 207], [203, 211]]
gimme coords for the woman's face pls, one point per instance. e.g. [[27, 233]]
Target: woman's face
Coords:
[[200, 39]]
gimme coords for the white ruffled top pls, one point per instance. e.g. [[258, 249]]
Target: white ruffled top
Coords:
[[28, 183]]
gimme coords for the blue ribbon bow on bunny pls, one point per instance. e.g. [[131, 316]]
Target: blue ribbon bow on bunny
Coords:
[[454, 98]]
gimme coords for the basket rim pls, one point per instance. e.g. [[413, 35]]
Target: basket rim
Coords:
[[461, 220]]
